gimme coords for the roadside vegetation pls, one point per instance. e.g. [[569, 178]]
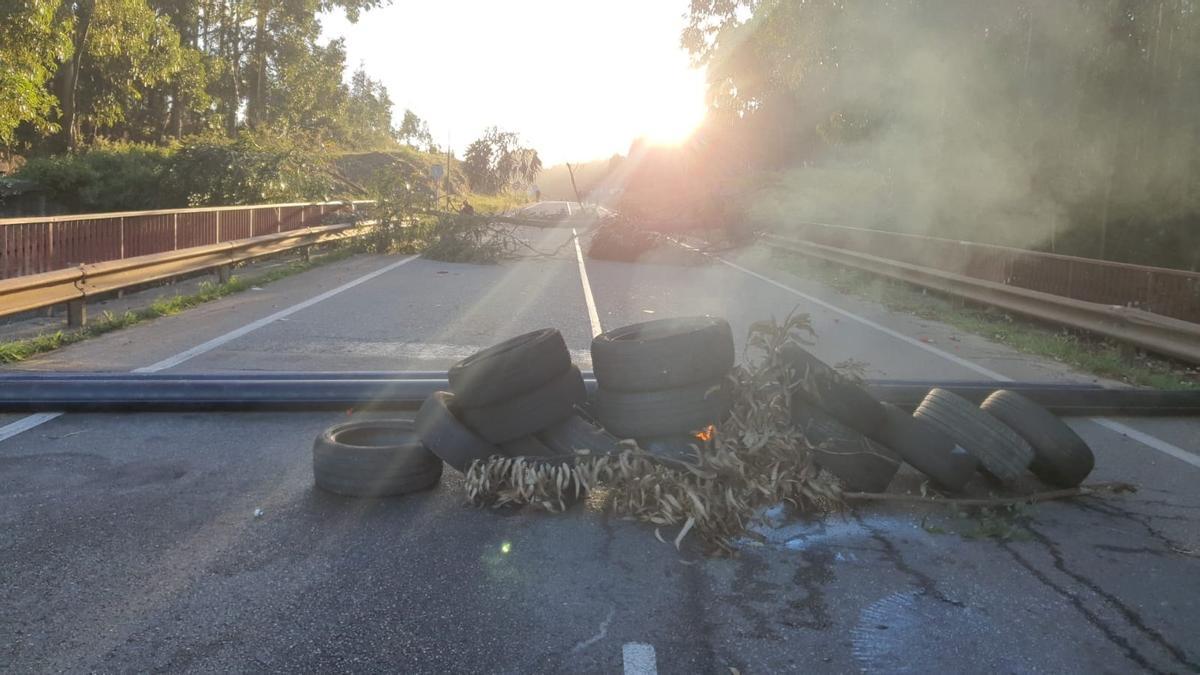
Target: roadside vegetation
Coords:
[[1101, 357]]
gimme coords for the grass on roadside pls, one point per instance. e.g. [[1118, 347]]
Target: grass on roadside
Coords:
[[1102, 357], [19, 350]]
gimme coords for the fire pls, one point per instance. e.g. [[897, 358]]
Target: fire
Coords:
[[706, 433]]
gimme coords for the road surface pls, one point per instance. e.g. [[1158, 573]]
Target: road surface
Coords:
[[130, 542]]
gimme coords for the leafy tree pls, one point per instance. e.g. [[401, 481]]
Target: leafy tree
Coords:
[[414, 131], [368, 124], [31, 43], [497, 162]]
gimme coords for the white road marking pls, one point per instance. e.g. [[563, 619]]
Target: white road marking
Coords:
[[593, 316], [1146, 439], [639, 659], [27, 423], [988, 373], [600, 634], [408, 351], [1112, 425]]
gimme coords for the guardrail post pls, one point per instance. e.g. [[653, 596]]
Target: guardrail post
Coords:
[[76, 313], [305, 255], [223, 274]]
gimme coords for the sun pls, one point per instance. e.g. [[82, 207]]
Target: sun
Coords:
[[676, 111]]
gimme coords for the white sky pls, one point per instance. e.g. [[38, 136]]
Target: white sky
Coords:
[[577, 79]]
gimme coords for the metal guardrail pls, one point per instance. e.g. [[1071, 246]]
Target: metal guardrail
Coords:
[[1169, 292], [48, 243], [75, 285], [1155, 333]]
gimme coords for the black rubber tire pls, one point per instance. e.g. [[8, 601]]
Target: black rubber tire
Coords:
[[999, 449], [373, 458], [862, 464], [516, 366], [926, 448], [576, 434], [663, 354], [837, 394], [447, 437], [528, 413], [526, 446], [662, 413], [1060, 457]]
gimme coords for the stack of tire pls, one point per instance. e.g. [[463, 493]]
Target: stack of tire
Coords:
[[663, 378], [505, 400]]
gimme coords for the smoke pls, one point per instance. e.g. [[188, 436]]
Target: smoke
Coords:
[[996, 122]]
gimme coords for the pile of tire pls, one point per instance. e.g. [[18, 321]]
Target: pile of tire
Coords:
[[1008, 434], [663, 378], [516, 398], [862, 441]]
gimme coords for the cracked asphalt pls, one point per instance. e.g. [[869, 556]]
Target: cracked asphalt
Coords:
[[130, 542]]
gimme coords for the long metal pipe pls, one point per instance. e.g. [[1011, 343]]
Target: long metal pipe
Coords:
[[260, 391]]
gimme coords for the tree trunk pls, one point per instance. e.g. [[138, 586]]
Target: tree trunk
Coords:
[[256, 106], [67, 78]]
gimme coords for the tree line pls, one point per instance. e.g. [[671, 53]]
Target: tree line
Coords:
[[127, 104], [1070, 126], [79, 71]]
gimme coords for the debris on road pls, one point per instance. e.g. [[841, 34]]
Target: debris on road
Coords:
[[684, 438]]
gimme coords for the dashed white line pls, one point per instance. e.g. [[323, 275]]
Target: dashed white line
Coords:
[[1112, 425], [639, 659], [593, 316], [27, 423]]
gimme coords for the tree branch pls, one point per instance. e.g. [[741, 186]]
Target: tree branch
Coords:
[[1081, 491]]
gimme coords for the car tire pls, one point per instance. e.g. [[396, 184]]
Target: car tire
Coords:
[[665, 412], [373, 458], [516, 366], [663, 354], [835, 393], [1060, 457], [528, 413], [862, 464], [1000, 450], [447, 437], [926, 448]]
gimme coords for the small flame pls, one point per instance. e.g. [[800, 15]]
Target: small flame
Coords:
[[706, 433]]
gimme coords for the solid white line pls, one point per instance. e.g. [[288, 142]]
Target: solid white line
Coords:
[[27, 423], [1145, 439], [593, 316], [186, 355], [639, 659], [988, 373]]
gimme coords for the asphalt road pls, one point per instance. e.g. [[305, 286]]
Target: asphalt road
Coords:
[[130, 542]]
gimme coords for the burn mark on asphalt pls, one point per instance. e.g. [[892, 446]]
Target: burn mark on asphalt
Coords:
[[812, 577], [1131, 616]]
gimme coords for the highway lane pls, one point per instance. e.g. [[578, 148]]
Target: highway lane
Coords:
[[133, 542]]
